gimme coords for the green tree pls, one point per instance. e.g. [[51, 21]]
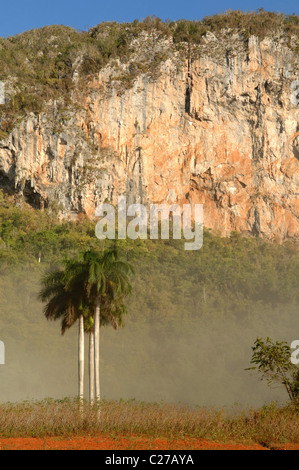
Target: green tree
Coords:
[[64, 294], [107, 284], [91, 289], [272, 360]]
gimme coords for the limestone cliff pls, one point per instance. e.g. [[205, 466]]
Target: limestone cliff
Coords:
[[216, 124]]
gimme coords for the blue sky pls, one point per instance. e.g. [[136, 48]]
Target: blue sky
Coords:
[[17, 16]]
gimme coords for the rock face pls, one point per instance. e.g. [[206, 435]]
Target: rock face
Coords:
[[217, 126]]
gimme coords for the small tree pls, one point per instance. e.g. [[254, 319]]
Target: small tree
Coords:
[[272, 360]]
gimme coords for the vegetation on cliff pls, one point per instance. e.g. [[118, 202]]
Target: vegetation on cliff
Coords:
[[41, 64]]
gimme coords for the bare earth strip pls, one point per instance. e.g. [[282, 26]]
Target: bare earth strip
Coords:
[[103, 442]]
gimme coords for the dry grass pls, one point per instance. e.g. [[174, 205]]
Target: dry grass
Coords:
[[63, 418]]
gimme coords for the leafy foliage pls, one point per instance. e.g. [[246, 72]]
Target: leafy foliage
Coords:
[[272, 360], [72, 291]]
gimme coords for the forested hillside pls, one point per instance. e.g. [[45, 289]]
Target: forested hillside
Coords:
[[191, 321]]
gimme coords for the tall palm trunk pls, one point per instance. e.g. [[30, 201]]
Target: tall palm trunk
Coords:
[[91, 366], [97, 350], [81, 358]]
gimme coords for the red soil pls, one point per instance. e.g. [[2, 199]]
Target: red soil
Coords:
[[103, 442]]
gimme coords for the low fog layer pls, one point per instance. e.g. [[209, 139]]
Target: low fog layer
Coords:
[[197, 360]]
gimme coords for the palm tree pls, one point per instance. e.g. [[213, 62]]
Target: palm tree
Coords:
[[107, 285], [91, 290], [91, 366], [65, 302], [89, 328]]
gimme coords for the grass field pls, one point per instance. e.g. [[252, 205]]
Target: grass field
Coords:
[[63, 424]]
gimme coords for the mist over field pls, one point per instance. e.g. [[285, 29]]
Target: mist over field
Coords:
[[198, 359], [160, 112]]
